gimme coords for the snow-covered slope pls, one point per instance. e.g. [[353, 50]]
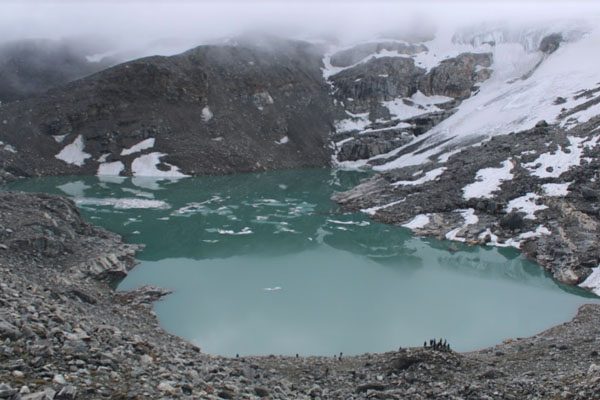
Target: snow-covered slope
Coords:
[[522, 89]]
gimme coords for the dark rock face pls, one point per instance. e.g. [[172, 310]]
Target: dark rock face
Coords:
[[31, 67], [367, 145], [550, 43], [377, 80], [457, 76], [346, 58], [212, 110]]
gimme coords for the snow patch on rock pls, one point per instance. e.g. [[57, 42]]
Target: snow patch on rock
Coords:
[[429, 176], [556, 189], [146, 165], [488, 180], [526, 204], [73, 153], [206, 114], [143, 145], [419, 221]]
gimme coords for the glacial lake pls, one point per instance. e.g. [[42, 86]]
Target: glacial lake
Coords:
[[267, 264]]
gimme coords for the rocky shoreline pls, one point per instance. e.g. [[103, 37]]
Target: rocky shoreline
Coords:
[[66, 334], [535, 190]]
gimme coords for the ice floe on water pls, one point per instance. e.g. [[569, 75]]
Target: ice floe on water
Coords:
[[357, 223], [122, 203], [488, 180], [272, 289], [245, 231], [74, 189], [73, 153]]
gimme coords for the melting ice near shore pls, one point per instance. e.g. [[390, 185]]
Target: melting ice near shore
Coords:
[[267, 264]]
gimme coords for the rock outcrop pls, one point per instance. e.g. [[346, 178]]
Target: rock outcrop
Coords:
[[214, 109]]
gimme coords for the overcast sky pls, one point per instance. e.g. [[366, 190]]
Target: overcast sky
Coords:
[[139, 23]]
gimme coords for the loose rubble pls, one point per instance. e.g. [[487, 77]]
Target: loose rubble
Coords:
[[66, 334]]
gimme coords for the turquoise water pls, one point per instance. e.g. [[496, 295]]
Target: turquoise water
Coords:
[[267, 264]]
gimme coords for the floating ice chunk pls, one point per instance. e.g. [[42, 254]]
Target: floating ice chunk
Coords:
[[418, 222], [110, 169], [123, 203], [429, 176], [358, 223], [556, 189], [526, 204], [143, 145], [73, 153], [206, 114], [272, 289], [75, 189], [283, 140], [244, 231], [488, 180]]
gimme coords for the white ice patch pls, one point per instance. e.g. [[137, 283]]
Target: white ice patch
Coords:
[[73, 153], [526, 204], [60, 138], [146, 166], [507, 103], [272, 289], [103, 158], [556, 189], [488, 180], [244, 231], [418, 222], [123, 203], [429, 176], [421, 104], [283, 140], [143, 145], [206, 114], [9, 148], [592, 282], [110, 169], [360, 223], [356, 122], [373, 210]]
